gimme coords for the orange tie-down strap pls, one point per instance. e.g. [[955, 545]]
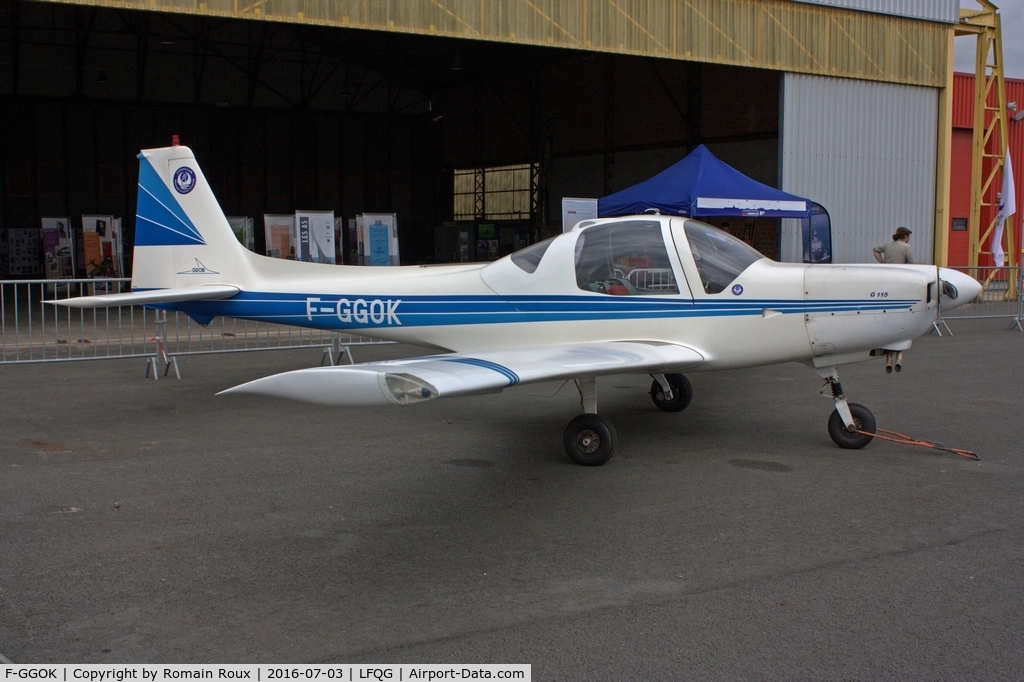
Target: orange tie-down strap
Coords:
[[894, 437]]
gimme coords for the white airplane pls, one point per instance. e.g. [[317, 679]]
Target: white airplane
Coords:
[[644, 294]]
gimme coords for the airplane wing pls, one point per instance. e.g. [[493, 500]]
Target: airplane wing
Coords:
[[412, 380], [208, 292]]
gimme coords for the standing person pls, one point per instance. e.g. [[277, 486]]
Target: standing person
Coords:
[[896, 251]]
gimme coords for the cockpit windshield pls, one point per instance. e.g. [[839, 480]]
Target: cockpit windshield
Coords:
[[529, 258], [624, 258], [720, 257]]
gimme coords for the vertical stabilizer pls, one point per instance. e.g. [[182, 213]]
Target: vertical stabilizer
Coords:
[[182, 237]]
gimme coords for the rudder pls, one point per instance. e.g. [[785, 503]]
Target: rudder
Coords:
[[182, 237]]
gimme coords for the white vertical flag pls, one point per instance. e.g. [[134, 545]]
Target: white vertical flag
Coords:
[[1007, 207]]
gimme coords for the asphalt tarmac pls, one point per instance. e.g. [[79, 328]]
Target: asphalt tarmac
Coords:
[[152, 521]]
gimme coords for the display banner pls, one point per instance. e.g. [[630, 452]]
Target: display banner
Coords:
[[101, 235], [378, 239], [58, 248], [278, 232], [353, 241], [302, 250], [242, 227], [23, 245], [119, 264], [577, 210], [486, 242], [339, 241], [4, 252], [315, 243]]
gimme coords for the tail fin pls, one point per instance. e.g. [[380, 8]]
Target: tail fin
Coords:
[[182, 237]]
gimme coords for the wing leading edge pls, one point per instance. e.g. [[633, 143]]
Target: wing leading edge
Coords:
[[206, 292], [412, 380]]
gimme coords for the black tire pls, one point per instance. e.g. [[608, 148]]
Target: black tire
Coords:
[[682, 393], [845, 438], [589, 440]]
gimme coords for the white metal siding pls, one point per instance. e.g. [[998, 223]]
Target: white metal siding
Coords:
[[947, 11], [866, 151]]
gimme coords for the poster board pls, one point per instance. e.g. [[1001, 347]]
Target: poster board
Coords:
[[103, 250], [378, 239], [119, 249], [5, 252], [315, 231], [576, 210], [353, 241], [339, 244], [58, 249], [242, 227], [23, 247], [486, 242], [278, 231]]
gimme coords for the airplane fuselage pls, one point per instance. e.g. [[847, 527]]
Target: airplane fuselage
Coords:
[[771, 312]]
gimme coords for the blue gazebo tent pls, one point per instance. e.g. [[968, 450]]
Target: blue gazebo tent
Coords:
[[702, 186]]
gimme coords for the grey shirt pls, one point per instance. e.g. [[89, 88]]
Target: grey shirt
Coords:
[[896, 251]]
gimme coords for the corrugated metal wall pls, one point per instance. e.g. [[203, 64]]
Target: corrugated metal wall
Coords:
[[960, 182], [772, 34], [867, 152], [947, 11], [963, 99]]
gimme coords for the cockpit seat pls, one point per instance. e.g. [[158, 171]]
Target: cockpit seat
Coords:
[[620, 286]]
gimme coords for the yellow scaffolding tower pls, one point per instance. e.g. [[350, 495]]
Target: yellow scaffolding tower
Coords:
[[989, 122]]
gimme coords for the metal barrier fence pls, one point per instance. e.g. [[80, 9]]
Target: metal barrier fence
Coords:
[[34, 331], [1001, 296]]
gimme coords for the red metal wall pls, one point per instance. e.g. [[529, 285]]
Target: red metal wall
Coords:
[[960, 165]]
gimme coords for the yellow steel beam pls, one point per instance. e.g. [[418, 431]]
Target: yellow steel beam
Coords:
[[943, 161], [990, 123], [773, 34]]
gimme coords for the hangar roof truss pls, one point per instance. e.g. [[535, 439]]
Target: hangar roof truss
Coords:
[[770, 34]]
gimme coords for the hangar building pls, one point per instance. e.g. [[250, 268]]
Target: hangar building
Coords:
[[461, 110]]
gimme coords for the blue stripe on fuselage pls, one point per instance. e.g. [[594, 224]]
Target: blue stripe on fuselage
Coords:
[[362, 311]]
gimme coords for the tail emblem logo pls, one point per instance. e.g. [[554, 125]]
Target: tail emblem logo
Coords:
[[199, 269], [184, 180]]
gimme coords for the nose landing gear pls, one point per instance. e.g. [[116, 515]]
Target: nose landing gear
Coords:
[[852, 439], [851, 424]]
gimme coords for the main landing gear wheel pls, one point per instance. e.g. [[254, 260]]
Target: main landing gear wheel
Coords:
[[682, 393], [846, 438], [589, 440]]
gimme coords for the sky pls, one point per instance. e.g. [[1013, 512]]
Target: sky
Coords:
[[1012, 13]]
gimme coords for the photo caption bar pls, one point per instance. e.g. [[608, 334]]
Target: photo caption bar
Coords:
[[148, 672]]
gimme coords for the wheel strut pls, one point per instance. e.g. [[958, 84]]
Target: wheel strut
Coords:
[[590, 438], [666, 387], [851, 425], [842, 406]]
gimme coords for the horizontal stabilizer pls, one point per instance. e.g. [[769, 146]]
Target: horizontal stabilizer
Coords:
[[209, 292], [413, 380]]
